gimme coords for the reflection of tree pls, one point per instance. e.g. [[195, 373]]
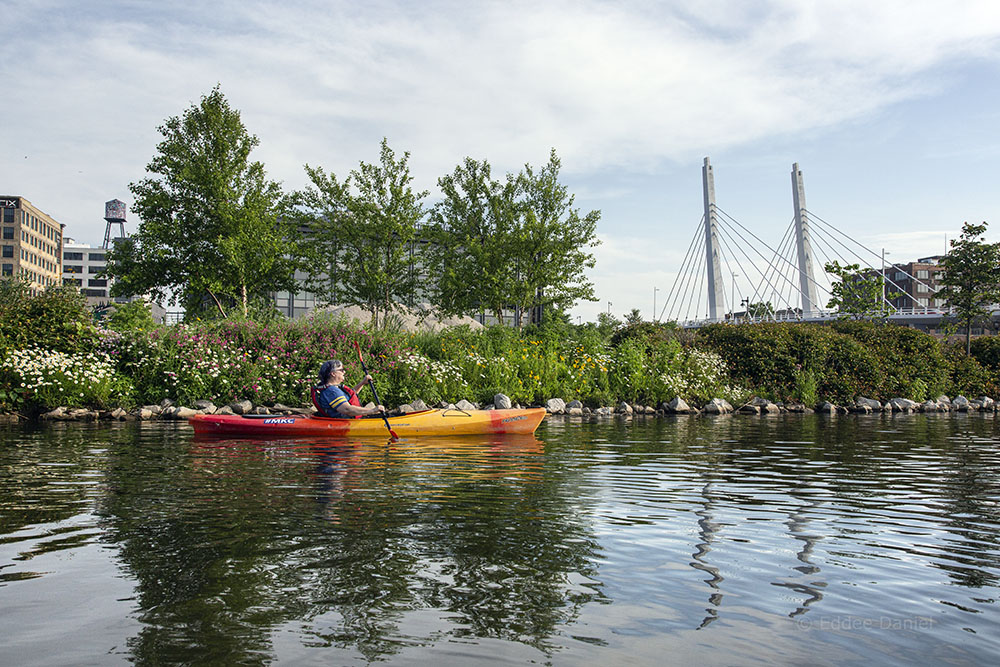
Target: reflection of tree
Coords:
[[229, 543]]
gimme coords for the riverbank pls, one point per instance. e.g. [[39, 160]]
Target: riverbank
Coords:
[[167, 410]]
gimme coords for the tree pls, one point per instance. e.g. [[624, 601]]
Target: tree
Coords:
[[468, 256], [211, 223], [858, 294], [516, 244], [362, 234], [971, 277]]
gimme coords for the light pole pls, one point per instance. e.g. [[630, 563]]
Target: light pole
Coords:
[[884, 253], [609, 307], [655, 290], [733, 300]]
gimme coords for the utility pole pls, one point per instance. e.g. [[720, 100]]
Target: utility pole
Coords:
[[655, 290]]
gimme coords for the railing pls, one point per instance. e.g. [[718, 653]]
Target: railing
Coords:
[[822, 316]]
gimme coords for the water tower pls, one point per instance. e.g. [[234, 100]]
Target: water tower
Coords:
[[114, 213]]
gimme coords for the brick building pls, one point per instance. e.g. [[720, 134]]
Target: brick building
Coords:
[[30, 243]]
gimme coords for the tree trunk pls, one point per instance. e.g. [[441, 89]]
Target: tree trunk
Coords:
[[968, 339], [243, 293], [218, 304]]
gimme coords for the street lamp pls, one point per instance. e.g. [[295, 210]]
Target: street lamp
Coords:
[[733, 300], [655, 290], [609, 307]]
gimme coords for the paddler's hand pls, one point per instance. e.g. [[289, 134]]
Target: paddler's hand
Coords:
[[367, 380], [377, 409]]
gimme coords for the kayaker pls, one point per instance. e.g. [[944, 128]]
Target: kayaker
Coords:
[[335, 399]]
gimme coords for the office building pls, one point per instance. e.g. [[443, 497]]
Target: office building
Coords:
[[30, 243]]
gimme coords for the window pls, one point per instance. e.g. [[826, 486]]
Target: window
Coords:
[[900, 276], [96, 269], [922, 288], [8, 215], [94, 292], [7, 270], [96, 257], [97, 282], [8, 251], [8, 232], [72, 281], [72, 268], [73, 256], [923, 274]]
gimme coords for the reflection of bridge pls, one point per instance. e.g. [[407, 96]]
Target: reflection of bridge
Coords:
[[779, 283]]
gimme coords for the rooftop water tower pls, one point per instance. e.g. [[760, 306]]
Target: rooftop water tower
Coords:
[[114, 213]]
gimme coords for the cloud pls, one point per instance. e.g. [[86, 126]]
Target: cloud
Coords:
[[609, 85]]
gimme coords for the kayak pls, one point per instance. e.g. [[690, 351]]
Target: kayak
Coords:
[[424, 422]]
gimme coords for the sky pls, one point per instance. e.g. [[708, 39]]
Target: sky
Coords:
[[889, 108]]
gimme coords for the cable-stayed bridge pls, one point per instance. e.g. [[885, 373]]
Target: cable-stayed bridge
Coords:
[[729, 274]]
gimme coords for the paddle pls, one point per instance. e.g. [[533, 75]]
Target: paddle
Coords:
[[372, 384]]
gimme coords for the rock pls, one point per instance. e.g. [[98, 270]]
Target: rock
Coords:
[[406, 409], [168, 412], [185, 413], [987, 403], [501, 402], [259, 410], [241, 407], [555, 406], [144, 414], [860, 409], [207, 407], [960, 403], [166, 403], [155, 409], [119, 414], [718, 406], [82, 414], [796, 407], [749, 409], [624, 408], [677, 407], [902, 405], [466, 405], [587, 411], [826, 408], [574, 404], [870, 403], [225, 410], [577, 412], [418, 405], [57, 414], [942, 400], [930, 406], [604, 412]]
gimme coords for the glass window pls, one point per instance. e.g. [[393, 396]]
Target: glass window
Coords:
[[8, 232], [8, 251], [97, 282], [922, 288], [94, 292], [96, 257], [923, 274], [7, 270], [72, 281], [95, 269], [73, 256], [72, 268], [8, 215]]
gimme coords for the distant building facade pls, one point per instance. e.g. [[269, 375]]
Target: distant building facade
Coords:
[[916, 283], [83, 267], [30, 243]]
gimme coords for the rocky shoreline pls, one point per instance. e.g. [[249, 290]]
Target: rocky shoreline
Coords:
[[168, 410]]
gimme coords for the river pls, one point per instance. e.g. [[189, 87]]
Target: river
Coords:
[[796, 539]]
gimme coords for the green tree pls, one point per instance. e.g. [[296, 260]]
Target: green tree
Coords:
[[971, 278], [470, 233], [517, 244], [858, 294], [362, 234], [211, 222]]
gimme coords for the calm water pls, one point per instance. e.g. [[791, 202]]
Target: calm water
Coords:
[[790, 540]]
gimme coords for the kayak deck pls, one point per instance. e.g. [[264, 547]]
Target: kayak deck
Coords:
[[424, 422]]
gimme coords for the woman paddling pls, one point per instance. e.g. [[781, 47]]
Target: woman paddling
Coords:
[[333, 398]]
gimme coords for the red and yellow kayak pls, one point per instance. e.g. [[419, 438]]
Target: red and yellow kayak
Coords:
[[424, 423]]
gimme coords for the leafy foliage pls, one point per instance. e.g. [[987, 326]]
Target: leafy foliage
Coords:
[[971, 277], [517, 244], [362, 234], [858, 294], [210, 223]]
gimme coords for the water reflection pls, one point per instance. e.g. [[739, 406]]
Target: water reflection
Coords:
[[781, 537]]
